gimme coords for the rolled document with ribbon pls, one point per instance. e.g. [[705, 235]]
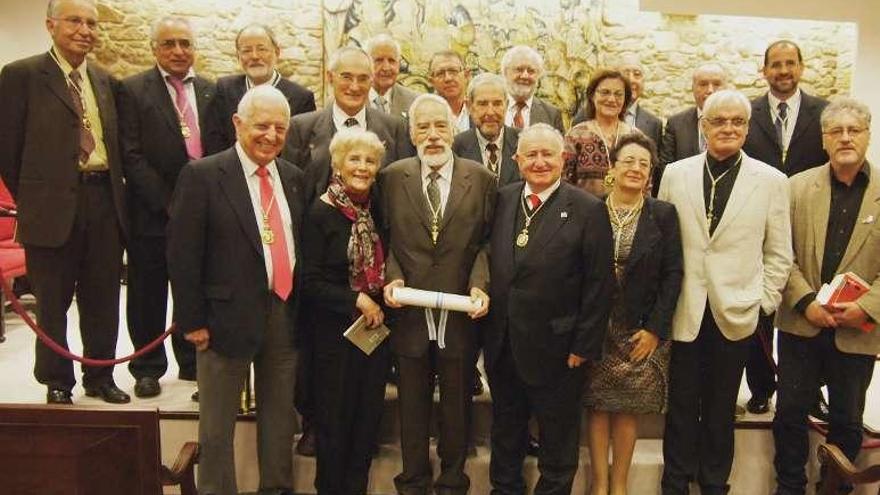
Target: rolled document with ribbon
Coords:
[[436, 300]]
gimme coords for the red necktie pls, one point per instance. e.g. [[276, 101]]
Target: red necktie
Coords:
[[534, 201], [189, 125], [86, 139], [518, 121], [282, 275]]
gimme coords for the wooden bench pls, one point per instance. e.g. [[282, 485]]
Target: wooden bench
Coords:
[[50, 450], [839, 470]]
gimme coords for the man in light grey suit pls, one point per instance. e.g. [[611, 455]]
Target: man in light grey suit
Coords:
[[491, 142], [522, 67], [387, 94], [682, 137], [734, 212], [438, 210]]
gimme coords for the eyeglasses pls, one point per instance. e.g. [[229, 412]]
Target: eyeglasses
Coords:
[[719, 122], [524, 69], [260, 50], [605, 93], [451, 71], [853, 132], [349, 78], [632, 162], [79, 22], [184, 44]]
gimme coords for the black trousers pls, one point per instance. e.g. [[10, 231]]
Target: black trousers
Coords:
[[146, 307], [803, 363], [759, 373], [557, 408], [88, 265], [704, 378], [416, 393], [349, 397]]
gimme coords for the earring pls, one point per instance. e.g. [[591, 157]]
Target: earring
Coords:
[[609, 180]]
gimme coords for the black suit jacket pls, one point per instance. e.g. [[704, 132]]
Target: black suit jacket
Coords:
[[215, 256], [555, 301], [153, 150], [654, 269], [220, 133], [805, 150], [681, 140], [308, 144], [647, 122], [466, 145], [39, 147]]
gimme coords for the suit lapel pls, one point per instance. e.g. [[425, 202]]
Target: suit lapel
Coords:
[[694, 179], [761, 116], [412, 184], [537, 113], [552, 220], [233, 183], [160, 95], [509, 167], [290, 192], [866, 220], [104, 98], [806, 115], [57, 83], [818, 205], [461, 184], [319, 145], [507, 224], [693, 133], [204, 94], [746, 182], [646, 237]]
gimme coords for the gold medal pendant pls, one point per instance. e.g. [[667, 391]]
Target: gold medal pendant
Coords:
[[184, 130], [87, 123], [522, 239], [435, 233], [268, 236]]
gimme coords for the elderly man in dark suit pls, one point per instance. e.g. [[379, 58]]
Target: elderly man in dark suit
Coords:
[[784, 132], [551, 286], [683, 137], [491, 142], [258, 51], [162, 114], [522, 67], [60, 160], [437, 210], [387, 94], [233, 252], [350, 72]]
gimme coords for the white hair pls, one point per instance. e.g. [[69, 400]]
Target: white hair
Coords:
[[262, 94], [485, 79], [169, 19], [844, 104], [422, 99], [522, 51], [541, 128], [382, 41], [336, 58], [727, 98]]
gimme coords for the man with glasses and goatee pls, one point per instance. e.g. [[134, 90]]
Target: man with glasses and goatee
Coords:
[[60, 160], [736, 235]]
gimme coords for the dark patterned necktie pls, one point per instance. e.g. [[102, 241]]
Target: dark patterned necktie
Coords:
[[518, 120], [781, 119], [433, 190], [350, 122], [86, 139], [492, 149]]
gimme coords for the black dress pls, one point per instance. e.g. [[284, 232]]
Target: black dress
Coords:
[[349, 385]]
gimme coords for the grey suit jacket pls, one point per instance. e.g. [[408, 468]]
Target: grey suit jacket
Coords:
[[459, 260], [39, 147], [308, 144], [810, 197], [681, 140], [543, 112], [805, 149], [401, 98], [466, 145]]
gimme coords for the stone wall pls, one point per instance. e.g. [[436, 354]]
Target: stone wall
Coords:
[[575, 36]]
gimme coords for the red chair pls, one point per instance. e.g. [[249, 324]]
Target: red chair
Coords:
[[12, 261]]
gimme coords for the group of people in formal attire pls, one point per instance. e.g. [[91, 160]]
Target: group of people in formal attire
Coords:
[[621, 266]]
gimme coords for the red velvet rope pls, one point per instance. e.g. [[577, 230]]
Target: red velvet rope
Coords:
[[61, 351], [821, 428]]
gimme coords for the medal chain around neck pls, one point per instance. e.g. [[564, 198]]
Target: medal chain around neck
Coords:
[[70, 82], [524, 233], [268, 235], [621, 222], [710, 216]]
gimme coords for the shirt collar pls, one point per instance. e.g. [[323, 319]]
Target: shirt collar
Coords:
[[274, 80], [865, 172], [445, 171], [633, 107], [65, 65], [793, 101], [190, 74], [339, 117], [482, 141], [546, 193], [249, 166]]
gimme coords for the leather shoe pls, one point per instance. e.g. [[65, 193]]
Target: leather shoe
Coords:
[[757, 405], [533, 447], [306, 444], [58, 396], [147, 387], [109, 392], [195, 396]]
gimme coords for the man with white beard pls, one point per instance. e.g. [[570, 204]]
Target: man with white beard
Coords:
[[438, 210], [522, 67]]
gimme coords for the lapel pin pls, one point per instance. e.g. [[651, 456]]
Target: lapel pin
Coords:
[[868, 219], [564, 214]]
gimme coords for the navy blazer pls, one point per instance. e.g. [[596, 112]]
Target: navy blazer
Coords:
[[555, 299], [654, 269], [215, 255], [466, 145]]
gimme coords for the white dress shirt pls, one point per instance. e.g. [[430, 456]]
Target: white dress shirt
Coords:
[[511, 112], [543, 195], [791, 115], [444, 183], [339, 117]]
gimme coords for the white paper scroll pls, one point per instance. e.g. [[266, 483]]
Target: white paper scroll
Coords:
[[436, 300]]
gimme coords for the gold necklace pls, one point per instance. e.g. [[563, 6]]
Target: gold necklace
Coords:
[[621, 223]]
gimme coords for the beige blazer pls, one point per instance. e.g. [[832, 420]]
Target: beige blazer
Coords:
[[810, 200], [743, 267]]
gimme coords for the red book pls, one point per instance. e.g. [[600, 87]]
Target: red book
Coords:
[[845, 287]]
